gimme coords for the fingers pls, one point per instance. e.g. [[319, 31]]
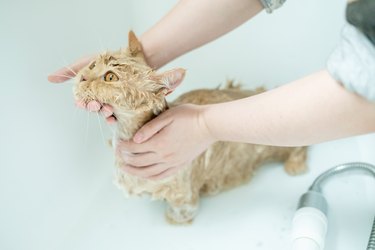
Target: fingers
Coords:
[[81, 104], [111, 120], [155, 172], [70, 71], [92, 106], [95, 106], [165, 174], [145, 165], [106, 110], [152, 127], [141, 159], [129, 147], [146, 172]]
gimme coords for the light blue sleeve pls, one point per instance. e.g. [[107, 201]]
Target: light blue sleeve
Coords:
[[353, 62], [271, 5]]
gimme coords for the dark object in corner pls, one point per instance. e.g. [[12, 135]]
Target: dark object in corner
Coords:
[[361, 14]]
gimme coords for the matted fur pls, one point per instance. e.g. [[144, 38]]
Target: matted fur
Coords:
[[138, 96]]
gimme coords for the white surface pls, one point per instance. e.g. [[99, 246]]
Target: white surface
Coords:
[[56, 187]]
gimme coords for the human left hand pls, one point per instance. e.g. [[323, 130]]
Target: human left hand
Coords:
[[167, 143]]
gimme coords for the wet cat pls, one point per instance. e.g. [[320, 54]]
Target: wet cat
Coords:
[[137, 94]]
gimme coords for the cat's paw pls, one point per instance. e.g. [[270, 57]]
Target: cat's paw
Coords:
[[181, 215], [295, 168]]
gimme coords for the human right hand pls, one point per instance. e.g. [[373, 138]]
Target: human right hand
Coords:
[[69, 72], [166, 144]]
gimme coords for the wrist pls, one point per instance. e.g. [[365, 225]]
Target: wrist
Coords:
[[204, 123], [155, 54]]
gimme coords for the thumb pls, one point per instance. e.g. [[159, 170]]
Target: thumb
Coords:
[[69, 72], [151, 128]]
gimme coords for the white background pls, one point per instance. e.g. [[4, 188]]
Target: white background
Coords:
[[56, 170]]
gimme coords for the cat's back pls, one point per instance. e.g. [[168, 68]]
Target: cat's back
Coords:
[[211, 96]]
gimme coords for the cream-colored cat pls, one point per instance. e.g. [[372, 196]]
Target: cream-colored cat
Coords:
[[137, 94]]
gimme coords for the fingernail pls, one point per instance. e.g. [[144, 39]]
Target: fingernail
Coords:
[[93, 106], [111, 120]]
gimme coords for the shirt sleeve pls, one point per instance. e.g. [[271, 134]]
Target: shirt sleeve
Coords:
[[353, 62], [271, 5]]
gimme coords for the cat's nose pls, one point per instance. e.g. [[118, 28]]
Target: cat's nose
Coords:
[[83, 79]]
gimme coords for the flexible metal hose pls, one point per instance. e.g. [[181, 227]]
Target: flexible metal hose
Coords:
[[361, 166], [317, 185], [371, 241]]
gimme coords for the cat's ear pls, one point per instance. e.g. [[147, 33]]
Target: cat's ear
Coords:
[[171, 79], [135, 46]]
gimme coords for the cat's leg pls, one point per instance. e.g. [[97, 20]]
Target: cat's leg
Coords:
[[296, 162], [211, 188], [182, 211], [181, 214]]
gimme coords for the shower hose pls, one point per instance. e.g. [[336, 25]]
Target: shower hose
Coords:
[[310, 221]]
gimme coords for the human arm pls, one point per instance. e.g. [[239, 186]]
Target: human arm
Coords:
[[190, 24], [193, 23], [307, 111], [310, 110]]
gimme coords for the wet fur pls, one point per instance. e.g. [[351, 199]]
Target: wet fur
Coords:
[[139, 96]]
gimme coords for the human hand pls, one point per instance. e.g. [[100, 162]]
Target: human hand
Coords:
[[166, 144], [69, 72]]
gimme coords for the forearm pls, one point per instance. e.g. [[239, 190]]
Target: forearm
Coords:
[[192, 23], [307, 111]]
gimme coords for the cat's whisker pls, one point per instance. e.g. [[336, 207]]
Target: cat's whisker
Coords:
[[69, 81], [110, 128], [97, 37], [101, 44], [87, 128], [66, 76], [100, 126], [75, 113], [71, 70], [112, 135], [67, 67], [117, 97]]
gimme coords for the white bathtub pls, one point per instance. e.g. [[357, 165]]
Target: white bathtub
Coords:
[[56, 190], [255, 216]]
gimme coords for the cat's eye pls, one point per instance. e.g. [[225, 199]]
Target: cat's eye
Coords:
[[92, 65], [110, 77]]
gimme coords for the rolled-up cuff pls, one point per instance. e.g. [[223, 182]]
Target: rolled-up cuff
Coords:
[[271, 5], [353, 63]]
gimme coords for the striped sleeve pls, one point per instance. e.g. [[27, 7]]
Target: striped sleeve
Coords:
[[271, 5]]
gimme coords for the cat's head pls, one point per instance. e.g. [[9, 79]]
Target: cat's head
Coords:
[[124, 80]]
